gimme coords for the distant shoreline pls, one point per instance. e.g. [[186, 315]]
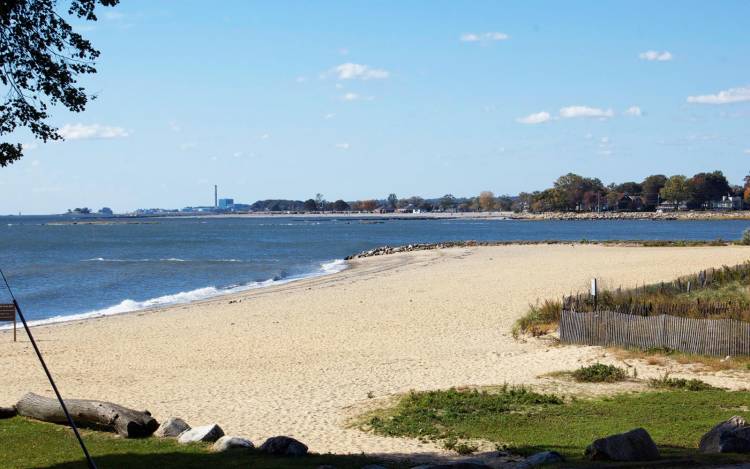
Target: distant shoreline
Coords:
[[690, 215], [543, 216]]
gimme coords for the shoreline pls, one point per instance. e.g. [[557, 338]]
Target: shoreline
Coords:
[[304, 357], [367, 216], [159, 303]]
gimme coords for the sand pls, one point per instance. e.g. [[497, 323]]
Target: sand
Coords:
[[301, 359]]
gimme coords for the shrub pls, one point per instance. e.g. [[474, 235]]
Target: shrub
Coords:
[[745, 237], [665, 382], [599, 373]]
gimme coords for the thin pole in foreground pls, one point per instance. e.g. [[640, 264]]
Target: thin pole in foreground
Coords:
[[90, 461]]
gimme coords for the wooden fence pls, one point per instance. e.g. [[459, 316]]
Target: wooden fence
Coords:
[[717, 337]]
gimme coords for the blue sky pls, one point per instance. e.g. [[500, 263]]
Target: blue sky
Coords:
[[359, 99]]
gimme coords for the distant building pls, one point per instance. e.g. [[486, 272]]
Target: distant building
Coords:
[[727, 203], [672, 207], [226, 204]]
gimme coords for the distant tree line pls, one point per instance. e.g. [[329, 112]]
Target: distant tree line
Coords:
[[570, 192], [573, 192]]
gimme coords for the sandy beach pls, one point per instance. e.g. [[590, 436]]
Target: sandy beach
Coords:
[[302, 358]]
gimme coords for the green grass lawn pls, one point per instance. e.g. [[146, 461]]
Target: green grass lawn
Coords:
[[29, 444], [530, 422]]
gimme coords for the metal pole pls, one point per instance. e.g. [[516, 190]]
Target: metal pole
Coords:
[[90, 461]]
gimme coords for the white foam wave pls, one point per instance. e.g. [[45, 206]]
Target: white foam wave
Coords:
[[129, 306]]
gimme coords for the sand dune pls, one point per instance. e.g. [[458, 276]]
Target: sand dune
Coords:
[[300, 358]]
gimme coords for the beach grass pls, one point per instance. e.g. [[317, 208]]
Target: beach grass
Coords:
[[676, 419], [31, 444], [713, 294]]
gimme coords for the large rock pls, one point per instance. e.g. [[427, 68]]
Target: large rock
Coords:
[[173, 427], [283, 446], [731, 436], [635, 445], [226, 443], [540, 459], [207, 433]]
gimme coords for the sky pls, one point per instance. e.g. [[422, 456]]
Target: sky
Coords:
[[356, 100]]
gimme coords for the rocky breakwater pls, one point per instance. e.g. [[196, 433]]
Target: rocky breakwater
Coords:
[[688, 215], [384, 250]]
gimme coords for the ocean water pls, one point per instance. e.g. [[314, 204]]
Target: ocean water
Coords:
[[63, 271]]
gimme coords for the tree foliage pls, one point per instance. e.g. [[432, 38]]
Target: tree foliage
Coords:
[[41, 58]]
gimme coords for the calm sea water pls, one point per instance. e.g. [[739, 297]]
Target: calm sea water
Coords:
[[65, 270]]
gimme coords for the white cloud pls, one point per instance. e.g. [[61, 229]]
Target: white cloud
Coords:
[[732, 95], [29, 146], [585, 111], [352, 71], [604, 140], [536, 118], [634, 111], [656, 56], [330, 115], [237, 154], [300, 79], [35, 163], [264, 136], [356, 97], [187, 145], [174, 126], [81, 131], [747, 152], [343, 146], [483, 37]]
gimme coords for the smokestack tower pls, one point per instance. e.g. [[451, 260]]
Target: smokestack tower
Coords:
[[216, 196]]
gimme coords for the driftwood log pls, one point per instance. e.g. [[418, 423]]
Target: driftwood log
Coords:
[[97, 414]]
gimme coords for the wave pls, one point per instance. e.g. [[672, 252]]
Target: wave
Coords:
[[129, 306], [170, 259]]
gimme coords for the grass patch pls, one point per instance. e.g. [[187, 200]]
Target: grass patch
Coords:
[[599, 373], [30, 444], [713, 294], [660, 356], [665, 382], [530, 422]]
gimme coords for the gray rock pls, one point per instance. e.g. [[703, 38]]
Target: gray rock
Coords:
[[226, 443], [731, 436], [283, 446], [173, 427], [373, 466], [207, 433], [540, 459], [7, 412], [737, 441], [635, 445]]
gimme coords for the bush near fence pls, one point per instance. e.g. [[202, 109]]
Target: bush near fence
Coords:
[[715, 337]]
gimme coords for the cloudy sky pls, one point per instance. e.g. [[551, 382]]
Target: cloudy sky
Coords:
[[360, 99]]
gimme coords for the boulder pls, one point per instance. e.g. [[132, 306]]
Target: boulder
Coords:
[[737, 441], [7, 412], [283, 446], [226, 443], [207, 433], [172, 427], [731, 436], [635, 445], [540, 459]]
